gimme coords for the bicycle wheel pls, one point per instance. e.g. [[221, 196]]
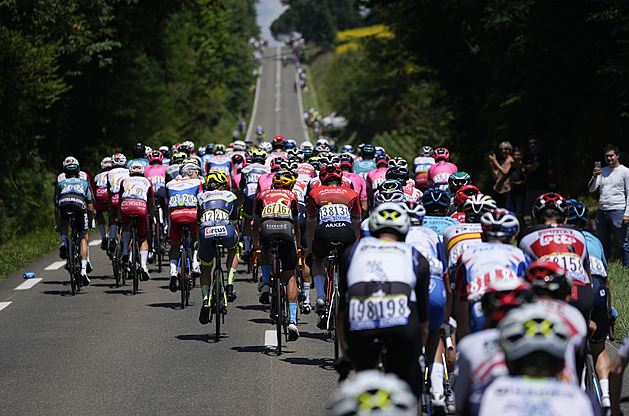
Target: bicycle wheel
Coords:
[[218, 299], [77, 262], [183, 275], [591, 379], [135, 252], [71, 266], [277, 296], [114, 266], [157, 240]]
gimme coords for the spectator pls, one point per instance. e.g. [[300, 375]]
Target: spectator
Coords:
[[242, 125], [536, 169], [612, 182], [615, 376], [515, 197], [500, 172]]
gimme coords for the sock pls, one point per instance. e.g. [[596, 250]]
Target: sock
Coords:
[[112, 232], [436, 379], [83, 266], [195, 261], [319, 284], [173, 267], [230, 276], [103, 231], [307, 292], [266, 274], [143, 257], [64, 239], [292, 312], [88, 253], [604, 387], [247, 240], [205, 291], [126, 237]]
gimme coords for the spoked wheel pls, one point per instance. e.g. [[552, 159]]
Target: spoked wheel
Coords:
[[183, 279], [279, 322], [134, 266], [72, 267], [218, 302], [77, 264], [114, 265]]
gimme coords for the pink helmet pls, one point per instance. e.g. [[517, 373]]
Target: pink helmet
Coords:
[[441, 153]]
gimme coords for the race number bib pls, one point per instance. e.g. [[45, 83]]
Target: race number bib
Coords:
[[597, 268], [220, 231], [134, 192], [253, 178], [276, 210], [334, 213], [182, 200], [214, 217], [224, 169], [378, 312], [441, 177], [571, 263]]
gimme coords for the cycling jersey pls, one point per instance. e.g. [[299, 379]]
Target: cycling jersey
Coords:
[[375, 178], [101, 196], [265, 181], [134, 195], [181, 197], [73, 195], [457, 237], [333, 204], [412, 194], [142, 160], [363, 167], [597, 260], [439, 173], [358, 184], [249, 179], [305, 172], [421, 164], [217, 212], [438, 224], [115, 178], [316, 182], [157, 175], [459, 216], [82, 175], [300, 189], [219, 163], [172, 172]]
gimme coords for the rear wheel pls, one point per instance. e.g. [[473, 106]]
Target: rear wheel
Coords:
[[114, 265], [218, 300], [277, 297], [134, 263], [71, 268], [157, 241], [183, 276], [77, 263]]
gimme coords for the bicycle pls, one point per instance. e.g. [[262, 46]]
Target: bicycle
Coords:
[[159, 237], [120, 270], [73, 264], [184, 266], [279, 303], [333, 294], [135, 253], [218, 297], [590, 378]]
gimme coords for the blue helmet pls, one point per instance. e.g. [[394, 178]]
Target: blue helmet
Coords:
[[348, 148], [436, 201], [577, 212]]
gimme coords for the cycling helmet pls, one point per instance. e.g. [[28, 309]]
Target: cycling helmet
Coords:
[[348, 148], [200, 150], [119, 160], [399, 173], [390, 185], [346, 160], [436, 201], [219, 149], [426, 151], [298, 155], [476, 205], [156, 157], [278, 142], [209, 149], [389, 217], [577, 212], [139, 151], [237, 158], [322, 142], [214, 180], [266, 146], [290, 144], [322, 148], [533, 328], [178, 158], [306, 145], [464, 193], [334, 148], [380, 151], [549, 279], [165, 151], [368, 151], [258, 156], [276, 163], [499, 223], [259, 130], [71, 165], [457, 180], [382, 161], [136, 169], [188, 166], [502, 295], [329, 173], [308, 152], [398, 161], [239, 146], [441, 154], [292, 166], [360, 147], [284, 179], [372, 392], [550, 201], [416, 212], [389, 196], [106, 163], [187, 147]]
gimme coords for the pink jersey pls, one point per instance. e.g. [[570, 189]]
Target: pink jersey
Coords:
[[265, 181], [359, 183], [235, 181], [157, 175], [439, 173], [375, 178]]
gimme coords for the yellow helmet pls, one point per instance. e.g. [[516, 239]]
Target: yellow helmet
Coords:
[[214, 180]]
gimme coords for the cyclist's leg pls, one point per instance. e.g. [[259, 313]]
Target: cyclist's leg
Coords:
[[82, 224], [597, 342], [319, 252], [231, 242], [62, 227], [434, 350], [206, 256], [142, 225], [305, 269], [288, 256], [174, 234]]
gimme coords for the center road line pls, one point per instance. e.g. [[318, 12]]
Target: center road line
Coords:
[[4, 305], [29, 283], [95, 242], [56, 265], [270, 338], [278, 85]]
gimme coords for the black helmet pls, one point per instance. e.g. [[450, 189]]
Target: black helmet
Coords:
[[139, 150]]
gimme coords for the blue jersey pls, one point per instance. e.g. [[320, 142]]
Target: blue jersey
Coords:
[[73, 188], [598, 262], [438, 224], [216, 208], [142, 160], [249, 176]]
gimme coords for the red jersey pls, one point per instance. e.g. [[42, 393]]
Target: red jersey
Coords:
[[333, 204], [276, 204], [316, 182]]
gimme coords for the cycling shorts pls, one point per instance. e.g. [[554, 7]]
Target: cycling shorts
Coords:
[[247, 206], [160, 196], [228, 235], [329, 232], [101, 202], [437, 303], [582, 298], [403, 345], [74, 205], [599, 310], [178, 216], [303, 227], [282, 230], [135, 207], [421, 180]]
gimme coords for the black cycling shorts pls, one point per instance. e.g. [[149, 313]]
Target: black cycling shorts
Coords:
[[282, 230], [599, 310], [329, 232], [75, 205], [584, 299]]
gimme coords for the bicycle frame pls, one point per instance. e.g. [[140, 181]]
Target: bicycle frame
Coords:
[[217, 293], [184, 266]]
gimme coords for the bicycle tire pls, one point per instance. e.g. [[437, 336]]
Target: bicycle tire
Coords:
[[183, 278], [71, 267], [77, 261], [218, 299], [157, 241], [278, 305], [134, 260], [122, 267], [592, 384], [114, 266]]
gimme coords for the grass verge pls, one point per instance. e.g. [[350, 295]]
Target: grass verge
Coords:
[[22, 251], [619, 283]]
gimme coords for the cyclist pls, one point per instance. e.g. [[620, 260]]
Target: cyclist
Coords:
[[276, 213], [494, 259], [172, 171], [260, 134], [456, 181], [217, 216], [114, 178], [377, 175], [421, 164], [249, 176], [436, 202], [333, 214], [101, 199], [367, 163], [181, 195], [383, 290], [156, 173], [219, 162], [462, 195], [346, 163], [139, 155], [534, 340], [274, 163], [401, 174], [166, 152], [136, 198], [74, 194], [439, 173]]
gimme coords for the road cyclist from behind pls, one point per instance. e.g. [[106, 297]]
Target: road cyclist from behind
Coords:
[[181, 196], [116, 175], [440, 172], [436, 201], [101, 199], [172, 171], [367, 163], [276, 218], [156, 173], [463, 194], [74, 195], [421, 165], [136, 199], [346, 163], [139, 155], [217, 216], [219, 161], [383, 289], [247, 190]]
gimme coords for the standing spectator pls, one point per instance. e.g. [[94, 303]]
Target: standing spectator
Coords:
[[515, 197], [536, 169], [242, 125], [235, 134], [612, 182], [500, 172]]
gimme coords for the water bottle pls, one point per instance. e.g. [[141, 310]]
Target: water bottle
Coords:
[[28, 275]]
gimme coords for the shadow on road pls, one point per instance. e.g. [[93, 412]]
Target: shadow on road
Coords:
[[252, 307], [209, 338], [171, 305], [325, 363]]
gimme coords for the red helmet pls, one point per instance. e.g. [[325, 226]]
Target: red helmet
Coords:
[[237, 158], [550, 200], [464, 193], [155, 156], [330, 172], [549, 278], [502, 296], [441, 153], [278, 140], [276, 163]]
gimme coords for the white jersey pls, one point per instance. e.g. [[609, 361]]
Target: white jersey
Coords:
[[427, 242], [137, 188], [115, 178], [527, 396], [457, 237], [423, 163]]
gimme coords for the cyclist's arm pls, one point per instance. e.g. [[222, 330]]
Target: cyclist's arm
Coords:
[[151, 202], [421, 292], [90, 213], [461, 305]]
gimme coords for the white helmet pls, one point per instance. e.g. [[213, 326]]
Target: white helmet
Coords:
[[323, 141], [106, 163], [266, 146], [306, 145], [239, 146], [389, 216], [119, 160], [136, 168]]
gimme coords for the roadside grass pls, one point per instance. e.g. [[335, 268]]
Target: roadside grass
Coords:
[[20, 252], [317, 69], [619, 283]]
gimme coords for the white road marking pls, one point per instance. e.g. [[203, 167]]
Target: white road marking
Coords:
[[95, 242], [29, 283], [249, 135], [270, 338], [301, 108], [56, 265], [4, 305], [278, 93]]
